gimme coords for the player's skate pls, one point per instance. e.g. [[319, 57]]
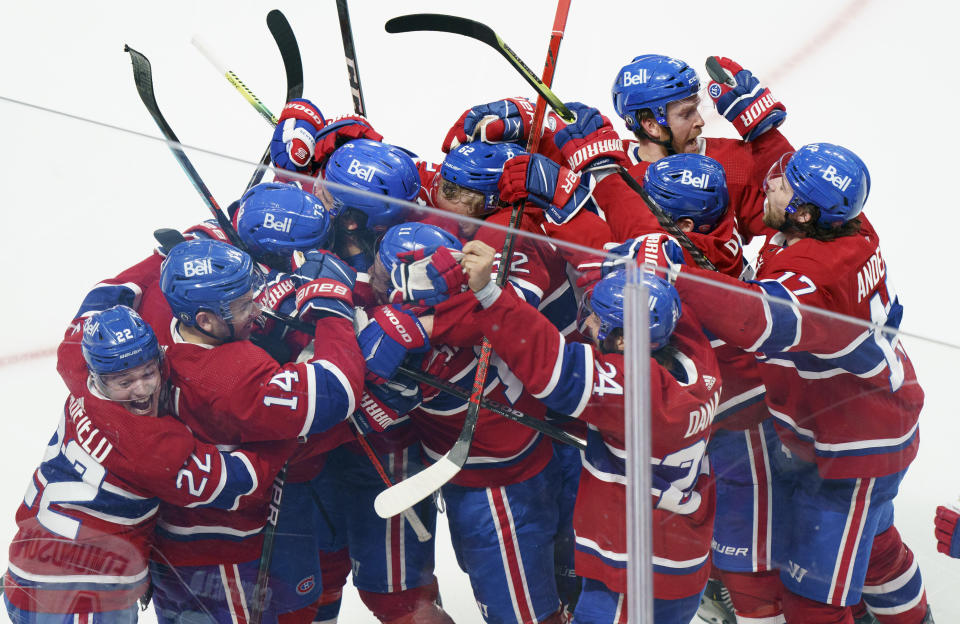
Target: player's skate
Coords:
[[715, 604]]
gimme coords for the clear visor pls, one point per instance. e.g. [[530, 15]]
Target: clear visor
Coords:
[[774, 180], [474, 203], [584, 312]]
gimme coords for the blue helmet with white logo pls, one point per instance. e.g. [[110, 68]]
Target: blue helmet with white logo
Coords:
[[689, 186], [276, 218], [116, 340], [652, 81], [606, 301], [478, 167], [830, 177], [376, 168], [413, 236], [206, 275]]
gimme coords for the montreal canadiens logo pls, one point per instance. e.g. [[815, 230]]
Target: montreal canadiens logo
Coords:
[[714, 90], [304, 586]]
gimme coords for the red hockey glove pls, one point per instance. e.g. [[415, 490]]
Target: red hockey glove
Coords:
[[590, 142], [947, 531], [339, 131], [504, 121]]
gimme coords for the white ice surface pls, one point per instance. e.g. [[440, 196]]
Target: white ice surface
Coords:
[[79, 202]]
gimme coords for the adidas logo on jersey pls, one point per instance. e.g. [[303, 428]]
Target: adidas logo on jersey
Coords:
[[689, 179], [364, 173], [709, 381], [630, 79], [269, 221], [830, 175]]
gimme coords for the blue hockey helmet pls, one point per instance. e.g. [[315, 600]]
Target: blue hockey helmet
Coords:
[[206, 275], [117, 340], [606, 301], [689, 186], [413, 236], [478, 166], [276, 218], [652, 81], [377, 168], [830, 177]]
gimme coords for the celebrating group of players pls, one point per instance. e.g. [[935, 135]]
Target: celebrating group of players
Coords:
[[231, 367]]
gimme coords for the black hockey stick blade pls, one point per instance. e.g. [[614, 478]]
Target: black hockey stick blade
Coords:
[[143, 78], [293, 67], [289, 52], [718, 73], [350, 53], [667, 223], [481, 32], [168, 239]]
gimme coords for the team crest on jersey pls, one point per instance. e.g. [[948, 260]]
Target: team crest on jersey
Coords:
[[306, 585]]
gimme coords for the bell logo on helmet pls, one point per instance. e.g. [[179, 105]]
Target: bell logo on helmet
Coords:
[[689, 179], [830, 175], [364, 173], [269, 221], [640, 77], [195, 268], [91, 328]]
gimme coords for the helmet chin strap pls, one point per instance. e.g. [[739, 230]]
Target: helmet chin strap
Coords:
[[667, 144]]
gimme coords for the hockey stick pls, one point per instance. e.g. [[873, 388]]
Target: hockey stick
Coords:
[[143, 77], [414, 489], [500, 409], [481, 32], [292, 66], [353, 69], [266, 553], [234, 79]]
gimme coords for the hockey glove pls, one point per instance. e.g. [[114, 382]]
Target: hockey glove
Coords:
[[384, 405], [340, 131], [738, 96], [590, 142], [504, 121], [427, 280], [387, 338], [658, 253], [555, 189], [324, 285], [947, 530], [294, 138]]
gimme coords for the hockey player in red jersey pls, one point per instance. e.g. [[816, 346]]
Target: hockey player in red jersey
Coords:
[[233, 392], [845, 399], [85, 528], [587, 382]]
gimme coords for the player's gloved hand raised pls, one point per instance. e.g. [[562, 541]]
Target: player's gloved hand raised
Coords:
[[657, 252], [427, 279], [278, 294], [386, 336], [739, 97], [384, 405], [294, 138], [340, 131], [590, 142], [504, 121], [324, 285], [947, 530], [555, 189]]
